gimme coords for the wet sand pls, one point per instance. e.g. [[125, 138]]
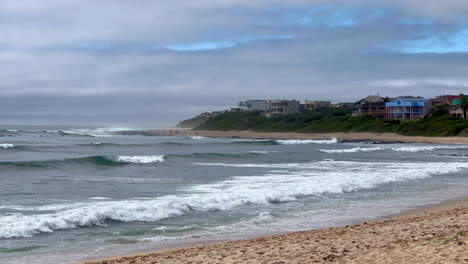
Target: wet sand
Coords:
[[383, 137], [435, 234]]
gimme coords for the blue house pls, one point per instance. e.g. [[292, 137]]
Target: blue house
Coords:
[[406, 108]]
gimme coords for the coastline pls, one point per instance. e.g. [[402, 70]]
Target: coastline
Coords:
[[431, 234], [435, 233], [381, 137]]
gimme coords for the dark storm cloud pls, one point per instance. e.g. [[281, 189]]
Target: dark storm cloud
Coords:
[[154, 62]]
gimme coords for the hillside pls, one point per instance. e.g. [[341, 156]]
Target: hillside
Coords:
[[335, 120], [192, 122]]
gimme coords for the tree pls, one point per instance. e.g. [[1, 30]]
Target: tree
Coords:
[[464, 104], [440, 110]]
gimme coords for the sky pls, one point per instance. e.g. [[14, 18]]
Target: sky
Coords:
[[153, 63]]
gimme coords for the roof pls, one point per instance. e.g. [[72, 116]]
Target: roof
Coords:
[[444, 99], [408, 102], [373, 99], [457, 101]]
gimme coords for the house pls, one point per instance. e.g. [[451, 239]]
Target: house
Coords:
[[253, 105], [440, 100], [407, 108], [373, 105], [312, 105], [456, 110], [283, 107]]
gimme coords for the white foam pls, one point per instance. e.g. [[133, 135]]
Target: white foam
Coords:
[[422, 148], [351, 150], [398, 149], [264, 217], [259, 152], [141, 159], [289, 184], [96, 132], [12, 130], [6, 145], [99, 198], [307, 141], [165, 229], [198, 138]]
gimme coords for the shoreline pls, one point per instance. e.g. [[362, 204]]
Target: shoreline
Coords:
[[420, 235], [380, 137], [335, 244]]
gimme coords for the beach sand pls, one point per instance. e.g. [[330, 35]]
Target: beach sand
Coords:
[[435, 234], [383, 137]]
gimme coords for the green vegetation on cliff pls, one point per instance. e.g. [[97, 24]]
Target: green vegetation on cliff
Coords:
[[192, 122], [335, 120]]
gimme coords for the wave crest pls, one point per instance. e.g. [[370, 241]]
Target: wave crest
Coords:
[[92, 160], [307, 141], [141, 159], [351, 150], [7, 145]]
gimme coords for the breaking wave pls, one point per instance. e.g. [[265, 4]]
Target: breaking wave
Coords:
[[9, 130], [214, 140], [199, 137], [307, 141], [351, 150], [122, 160], [397, 149], [7, 145], [141, 159], [92, 160], [259, 152], [306, 179], [425, 148], [96, 132]]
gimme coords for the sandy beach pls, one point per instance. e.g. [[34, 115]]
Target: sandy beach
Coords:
[[436, 234], [383, 137], [433, 234]]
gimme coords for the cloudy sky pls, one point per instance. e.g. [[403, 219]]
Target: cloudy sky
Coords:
[[155, 62]]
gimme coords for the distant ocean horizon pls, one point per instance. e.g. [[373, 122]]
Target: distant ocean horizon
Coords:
[[73, 193]]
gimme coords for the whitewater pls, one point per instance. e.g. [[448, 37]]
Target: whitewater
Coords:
[[64, 195]]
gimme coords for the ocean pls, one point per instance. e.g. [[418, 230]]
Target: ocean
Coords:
[[69, 194]]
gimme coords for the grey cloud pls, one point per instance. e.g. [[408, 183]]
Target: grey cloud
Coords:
[[94, 61]]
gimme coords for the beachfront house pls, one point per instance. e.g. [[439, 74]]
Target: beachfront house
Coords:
[[406, 108], [282, 107], [456, 108], [312, 105], [253, 105], [440, 100], [373, 105]]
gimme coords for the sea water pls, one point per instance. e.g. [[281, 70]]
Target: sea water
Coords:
[[70, 194]]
